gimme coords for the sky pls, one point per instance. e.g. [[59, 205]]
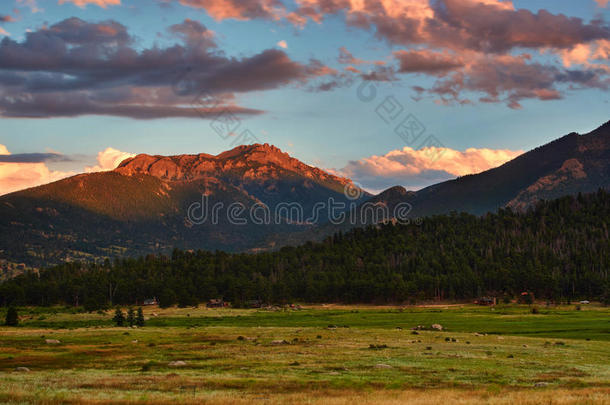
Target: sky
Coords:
[[387, 92]]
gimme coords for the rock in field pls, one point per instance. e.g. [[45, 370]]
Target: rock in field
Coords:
[[52, 341], [177, 363], [385, 366], [437, 326], [22, 369]]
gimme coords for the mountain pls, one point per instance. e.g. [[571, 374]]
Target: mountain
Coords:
[[571, 164], [152, 204]]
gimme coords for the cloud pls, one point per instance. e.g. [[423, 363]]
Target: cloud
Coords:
[[239, 9], [282, 44], [18, 172], [426, 61], [31, 4], [6, 19], [593, 56], [84, 3], [419, 168], [76, 68], [346, 58], [509, 79], [109, 159], [489, 25], [602, 3], [31, 157], [468, 45], [4, 32], [19, 175]]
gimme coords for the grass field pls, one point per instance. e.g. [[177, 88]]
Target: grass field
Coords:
[[319, 355]]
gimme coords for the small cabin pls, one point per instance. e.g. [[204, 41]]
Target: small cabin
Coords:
[[526, 297], [150, 301], [216, 303]]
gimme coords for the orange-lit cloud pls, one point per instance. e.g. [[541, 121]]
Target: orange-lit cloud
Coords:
[[84, 3], [602, 3], [282, 44], [418, 168], [588, 55], [239, 9], [19, 175]]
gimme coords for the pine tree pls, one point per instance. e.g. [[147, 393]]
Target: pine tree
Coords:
[[140, 317], [119, 317], [131, 317], [12, 318]]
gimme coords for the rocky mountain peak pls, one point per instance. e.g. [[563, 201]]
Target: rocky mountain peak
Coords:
[[257, 161]]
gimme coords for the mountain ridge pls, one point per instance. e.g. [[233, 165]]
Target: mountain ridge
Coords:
[[141, 207]]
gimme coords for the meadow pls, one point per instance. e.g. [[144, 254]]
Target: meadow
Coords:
[[318, 355]]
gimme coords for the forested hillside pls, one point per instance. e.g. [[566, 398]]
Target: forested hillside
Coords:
[[559, 250]]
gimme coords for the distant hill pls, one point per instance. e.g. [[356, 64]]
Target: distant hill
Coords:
[[571, 164]]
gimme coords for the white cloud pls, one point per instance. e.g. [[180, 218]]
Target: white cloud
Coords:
[[4, 32], [108, 159]]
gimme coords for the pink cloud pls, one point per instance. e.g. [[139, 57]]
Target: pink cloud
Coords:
[[84, 3]]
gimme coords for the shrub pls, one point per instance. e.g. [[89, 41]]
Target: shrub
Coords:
[[12, 317]]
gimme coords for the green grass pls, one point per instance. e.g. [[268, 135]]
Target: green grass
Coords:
[[231, 352], [561, 322]]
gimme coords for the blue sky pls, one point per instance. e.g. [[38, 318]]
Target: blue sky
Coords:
[[329, 129]]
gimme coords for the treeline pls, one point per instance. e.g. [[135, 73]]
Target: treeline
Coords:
[[560, 251]]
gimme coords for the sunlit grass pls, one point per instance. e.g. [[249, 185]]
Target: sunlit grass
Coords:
[[330, 355]]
